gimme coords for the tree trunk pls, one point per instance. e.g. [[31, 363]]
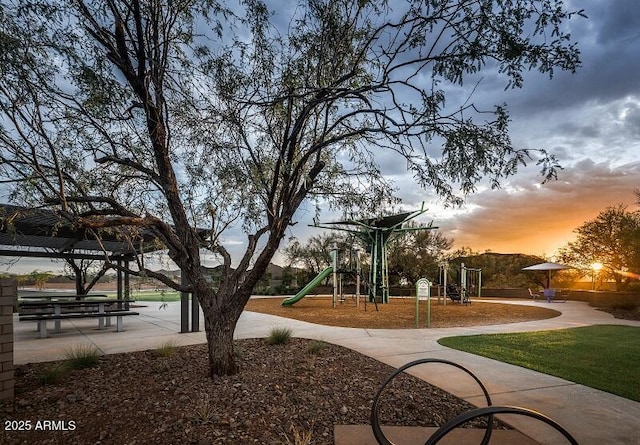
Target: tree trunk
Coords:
[[222, 310], [219, 327], [221, 313], [79, 284]]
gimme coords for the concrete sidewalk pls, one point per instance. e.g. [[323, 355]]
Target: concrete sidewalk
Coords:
[[591, 416]]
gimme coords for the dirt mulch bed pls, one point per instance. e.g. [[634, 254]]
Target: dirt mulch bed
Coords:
[[399, 313], [301, 387], [622, 313]]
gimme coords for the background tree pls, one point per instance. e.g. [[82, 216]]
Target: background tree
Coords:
[[39, 278], [315, 255], [289, 280], [85, 273], [499, 270], [164, 116], [613, 239], [417, 254]]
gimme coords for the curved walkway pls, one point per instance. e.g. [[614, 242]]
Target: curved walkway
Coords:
[[593, 417]]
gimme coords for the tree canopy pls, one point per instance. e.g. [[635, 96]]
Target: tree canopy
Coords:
[[417, 254], [134, 115], [611, 239], [315, 254]]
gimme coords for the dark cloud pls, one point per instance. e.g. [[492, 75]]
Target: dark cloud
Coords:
[[609, 41], [619, 22]]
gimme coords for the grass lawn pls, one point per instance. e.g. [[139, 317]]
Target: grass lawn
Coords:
[[601, 357]]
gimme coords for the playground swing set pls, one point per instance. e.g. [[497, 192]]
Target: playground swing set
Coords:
[[375, 233], [470, 284]]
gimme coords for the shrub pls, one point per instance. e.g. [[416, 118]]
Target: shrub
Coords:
[[625, 306], [297, 436], [316, 346], [82, 357], [54, 374], [160, 367], [279, 336], [166, 349], [204, 413]]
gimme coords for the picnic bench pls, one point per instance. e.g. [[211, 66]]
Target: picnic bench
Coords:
[[557, 295], [60, 308]]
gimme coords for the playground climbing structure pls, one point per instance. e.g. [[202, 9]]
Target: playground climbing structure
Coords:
[[375, 234]]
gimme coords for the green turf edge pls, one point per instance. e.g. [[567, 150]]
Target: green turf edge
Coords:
[[605, 357]]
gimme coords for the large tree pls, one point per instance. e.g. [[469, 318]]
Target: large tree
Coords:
[[163, 116], [417, 254], [611, 239], [315, 254]]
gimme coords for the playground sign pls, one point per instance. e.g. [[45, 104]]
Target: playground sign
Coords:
[[423, 291]]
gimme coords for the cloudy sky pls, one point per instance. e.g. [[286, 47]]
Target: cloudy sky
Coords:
[[590, 120]]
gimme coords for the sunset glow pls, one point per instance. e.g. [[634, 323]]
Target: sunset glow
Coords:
[[628, 274]]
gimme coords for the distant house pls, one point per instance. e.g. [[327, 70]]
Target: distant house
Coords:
[[278, 279], [171, 274]]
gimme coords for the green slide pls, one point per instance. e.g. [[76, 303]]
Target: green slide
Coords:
[[305, 290]]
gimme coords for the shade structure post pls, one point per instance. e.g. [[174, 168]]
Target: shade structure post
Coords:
[[184, 307]]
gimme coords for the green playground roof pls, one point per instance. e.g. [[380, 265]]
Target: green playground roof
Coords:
[[382, 222]]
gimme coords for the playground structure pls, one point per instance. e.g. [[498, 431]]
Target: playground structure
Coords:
[[375, 233], [348, 266], [310, 286], [341, 266], [471, 281], [470, 284]]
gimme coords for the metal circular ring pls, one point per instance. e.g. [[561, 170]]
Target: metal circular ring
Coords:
[[490, 411], [375, 421]]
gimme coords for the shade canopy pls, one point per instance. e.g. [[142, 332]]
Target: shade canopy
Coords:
[[37, 232], [384, 222], [547, 267]]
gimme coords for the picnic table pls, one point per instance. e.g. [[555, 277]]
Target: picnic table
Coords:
[[59, 296], [61, 307]]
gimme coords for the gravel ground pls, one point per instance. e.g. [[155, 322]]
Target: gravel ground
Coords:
[[401, 313], [299, 388], [625, 314]]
